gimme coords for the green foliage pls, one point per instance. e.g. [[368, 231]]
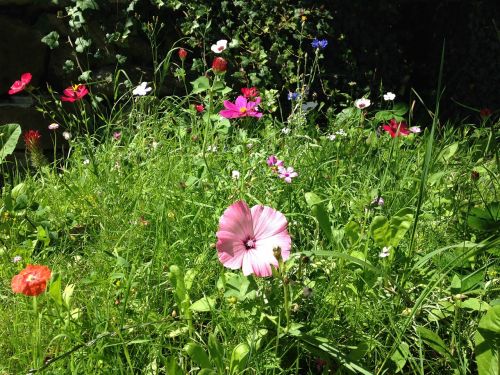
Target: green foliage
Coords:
[[9, 135]]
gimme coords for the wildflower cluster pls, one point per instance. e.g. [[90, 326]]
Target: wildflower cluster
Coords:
[[278, 166]]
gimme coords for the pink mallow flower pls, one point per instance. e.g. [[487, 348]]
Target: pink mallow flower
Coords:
[[241, 108], [248, 239], [21, 84], [287, 174]]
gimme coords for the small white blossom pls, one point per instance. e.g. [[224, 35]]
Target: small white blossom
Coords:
[[331, 137], [286, 130], [385, 252], [212, 148], [362, 103], [154, 144], [142, 89], [17, 259], [390, 96], [415, 129], [86, 162], [220, 46], [341, 132], [66, 135], [235, 175], [54, 126]]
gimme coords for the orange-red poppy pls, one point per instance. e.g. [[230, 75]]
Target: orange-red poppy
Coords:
[[31, 281]]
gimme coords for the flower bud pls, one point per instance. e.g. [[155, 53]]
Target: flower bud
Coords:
[[182, 54], [219, 65]]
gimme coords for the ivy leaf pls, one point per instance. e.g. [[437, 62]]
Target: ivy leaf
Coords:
[[51, 39]]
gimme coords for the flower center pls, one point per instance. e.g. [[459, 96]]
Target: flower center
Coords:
[[250, 244], [31, 278], [243, 110], [75, 87]]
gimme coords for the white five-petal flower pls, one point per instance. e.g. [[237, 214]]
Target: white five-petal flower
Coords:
[[220, 46], [142, 89], [390, 96]]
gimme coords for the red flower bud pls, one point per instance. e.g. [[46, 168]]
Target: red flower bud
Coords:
[[485, 113], [199, 107], [182, 54], [219, 65]]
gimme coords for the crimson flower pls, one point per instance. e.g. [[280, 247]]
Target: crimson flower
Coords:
[[250, 92], [396, 129], [31, 281], [74, 93], [32, 140], [248, 239], [20, 85], [182, 54], [485, 113], [199, 107], [241, 108], [219, 65]]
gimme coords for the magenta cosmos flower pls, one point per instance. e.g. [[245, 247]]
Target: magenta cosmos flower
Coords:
[[20, 85], [241, 108], [247, 238]]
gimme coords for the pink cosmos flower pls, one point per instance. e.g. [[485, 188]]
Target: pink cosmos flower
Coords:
[[241, 108], [74, 93], [19, 86], [287, 174], [396, 129], [247, 238]]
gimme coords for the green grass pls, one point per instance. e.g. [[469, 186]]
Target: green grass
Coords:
[[113, 229]]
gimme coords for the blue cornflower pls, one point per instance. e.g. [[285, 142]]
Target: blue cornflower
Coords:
[[321, 44], [293, 95]]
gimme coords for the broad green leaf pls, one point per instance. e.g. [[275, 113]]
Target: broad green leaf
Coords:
[[67, 294], [474, 304], [9, 135], [400, 356], [189, 277], [352, 231], [432, 339], [456, 284], [487, 340], [390, 233], [203, 304], [216, 351], [238, 358], [200, 84], [317, 207], [379, 229], [55, 289], [485, 219], [447, 153], [198, 355]]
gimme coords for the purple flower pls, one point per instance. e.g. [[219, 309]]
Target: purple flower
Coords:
[[287, 174], [117, 136], [293, 95], [321, 44], [273, 161]]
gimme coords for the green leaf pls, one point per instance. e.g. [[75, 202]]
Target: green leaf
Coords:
[[9, 135], [485, 219], [51, 39], [317, 207], [198, 355], [432, 339], [238, 358], [456, 284], [200, 84], [352, 231], [67, 294], [216, 352], [400, 356], [390, 233], [447, 153], [379, 230], [473, 304], [203, 304], [55, 289], [487, 340]]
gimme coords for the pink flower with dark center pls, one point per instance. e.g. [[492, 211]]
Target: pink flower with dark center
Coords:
[[247, 238], [20, 85], [74, 93], [396, 129], [241, 108], [287, 174]]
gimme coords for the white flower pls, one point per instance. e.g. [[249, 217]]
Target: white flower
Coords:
[[308, 106], [220, 46], [66, 135], [235, 175], [390, 96], [385, 252], [86, 162], [154, 144], [54, 126], [378, 201], [142, 89], [362, 103], [331, 137], [415, 129], [341, 132], [286, 130], [249, 145], [212, 149]]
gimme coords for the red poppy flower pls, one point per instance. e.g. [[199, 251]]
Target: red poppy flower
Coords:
[[485, 113], [19, 86], [250, 92], [182, 53], [219, 65], [74, 93], [31, 281], [396, 129], [32, 140]]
